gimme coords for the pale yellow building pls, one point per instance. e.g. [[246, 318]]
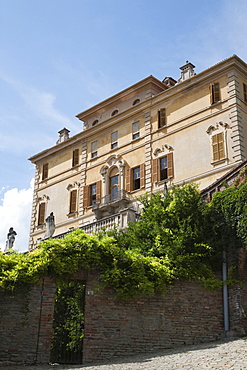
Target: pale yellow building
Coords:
[[151, 134]]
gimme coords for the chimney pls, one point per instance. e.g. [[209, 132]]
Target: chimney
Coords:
[[187, 71], [169, 82], [63, 135]]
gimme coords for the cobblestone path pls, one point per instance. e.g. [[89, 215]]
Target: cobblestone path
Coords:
[[231, 354]]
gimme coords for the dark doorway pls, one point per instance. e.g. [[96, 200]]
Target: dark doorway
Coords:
[[68, 324]]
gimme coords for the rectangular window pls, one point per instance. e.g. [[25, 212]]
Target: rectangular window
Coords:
[[136, 178], [135, 130], [75, 160], [218, 146], [73, 198], [94, 149], [245, 92], [163, 168], [215, 93], [41, 216], [161, 117], [114, 140], [93, 193], [45, 171]]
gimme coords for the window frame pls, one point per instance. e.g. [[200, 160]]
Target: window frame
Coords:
[[114, 141], [245, 92], [73, 201], [75, 158], [92, 194], [163, 171], [218, 147], [136, 131], [161, 117], [136, 101], [94, 149], [215, 93], [136, 181], [114, 113], [45, 169], [41, 213]]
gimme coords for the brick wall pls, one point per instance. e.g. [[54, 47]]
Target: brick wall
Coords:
[[26, 324], [186, 314]]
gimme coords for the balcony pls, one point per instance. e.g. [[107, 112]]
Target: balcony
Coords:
[[111, 204], [120, 220]]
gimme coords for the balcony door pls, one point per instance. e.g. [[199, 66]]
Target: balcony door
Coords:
[[114, 184]]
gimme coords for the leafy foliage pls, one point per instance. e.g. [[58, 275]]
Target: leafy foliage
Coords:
[[177, 237], [68, 324]]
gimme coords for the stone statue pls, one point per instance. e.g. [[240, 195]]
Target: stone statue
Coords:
[[50, 226], [10, 239]]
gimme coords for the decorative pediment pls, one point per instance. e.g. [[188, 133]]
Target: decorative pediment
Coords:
[[112, 161], [73, 185], [217, 126], [164, 149], [44, 198]]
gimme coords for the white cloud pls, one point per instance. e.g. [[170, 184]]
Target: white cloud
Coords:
[[40, 102], [15, 212]]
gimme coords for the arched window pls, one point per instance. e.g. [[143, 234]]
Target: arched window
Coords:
[[114, 112], [137, 101], [114, 184], [95, 122]]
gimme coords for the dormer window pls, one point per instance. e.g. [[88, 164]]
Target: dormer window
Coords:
[[95, 122], [114, 112], [137, 101]]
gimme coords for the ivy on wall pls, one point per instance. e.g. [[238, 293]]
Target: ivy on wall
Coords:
[[177, 237]]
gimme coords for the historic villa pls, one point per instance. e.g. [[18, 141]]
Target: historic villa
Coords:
[[142, 139]]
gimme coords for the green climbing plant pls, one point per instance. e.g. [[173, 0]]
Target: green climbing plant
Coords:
[[177, 237]]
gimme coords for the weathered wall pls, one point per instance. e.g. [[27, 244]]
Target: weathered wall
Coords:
[[186, 314], [26, 324]]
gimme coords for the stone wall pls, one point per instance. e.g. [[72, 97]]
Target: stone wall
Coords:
[[186, 314], [26, 324]]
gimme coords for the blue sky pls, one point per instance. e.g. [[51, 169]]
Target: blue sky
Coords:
[[59, 57]]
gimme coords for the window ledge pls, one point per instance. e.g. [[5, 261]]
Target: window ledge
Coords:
[[40, 227], [134, 140], [72, 214], [217, 102], [220, 161], [160, 128], [75, 167], [135, 191]]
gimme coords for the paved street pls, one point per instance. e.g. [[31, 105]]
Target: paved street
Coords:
[[217, 355]]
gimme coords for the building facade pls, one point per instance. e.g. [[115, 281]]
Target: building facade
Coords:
[[143, 139]]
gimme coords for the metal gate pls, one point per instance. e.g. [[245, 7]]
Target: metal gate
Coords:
[[68, 324]]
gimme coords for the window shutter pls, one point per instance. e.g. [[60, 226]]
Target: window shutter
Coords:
[[85, 196], [41, 217], [170, 165], [216, 92], [73, 196], [155, 169], [142, 177], [127, 180], [45, 171], [245, 92], [75, 157], [98, 190]]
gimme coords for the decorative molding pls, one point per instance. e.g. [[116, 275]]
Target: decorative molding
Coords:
[[112, 161], [217, 126], [164, 148], [44, 198], [76, 184]]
